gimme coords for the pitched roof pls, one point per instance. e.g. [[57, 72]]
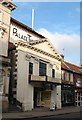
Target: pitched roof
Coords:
[[71, 67], [65, 66]]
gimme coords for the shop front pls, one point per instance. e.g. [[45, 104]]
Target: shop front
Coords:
[[46, 96], [78, 91], [78, 97], [67, 95], [41, 98]]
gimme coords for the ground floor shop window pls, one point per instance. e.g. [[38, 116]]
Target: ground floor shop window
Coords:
[[78, 98], [67, 95]]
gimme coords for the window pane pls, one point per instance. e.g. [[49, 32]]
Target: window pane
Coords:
[[71, 77], [42, 69], [30, 68], [53, 73], [63, 75]]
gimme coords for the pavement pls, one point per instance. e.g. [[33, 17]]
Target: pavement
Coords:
[[39, 112]]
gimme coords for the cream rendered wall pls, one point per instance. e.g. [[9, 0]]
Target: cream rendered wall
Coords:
[[47, 48], [4, 24], [6, 81], [53, 98], [58, 96], [36, 69], [35, 66], [24, 89], [4, 37], [49, 70], [55, 62]]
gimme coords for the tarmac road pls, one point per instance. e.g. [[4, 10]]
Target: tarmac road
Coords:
[[70, 116], [67, 113]]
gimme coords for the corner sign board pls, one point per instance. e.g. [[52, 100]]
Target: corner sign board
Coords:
[[18, 33]]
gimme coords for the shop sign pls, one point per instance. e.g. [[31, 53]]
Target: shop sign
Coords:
[[18, 34], [78, 82]]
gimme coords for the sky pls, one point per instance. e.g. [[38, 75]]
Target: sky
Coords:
[[58, 21]]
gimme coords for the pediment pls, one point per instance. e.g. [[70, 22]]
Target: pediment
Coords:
[[45, 46]]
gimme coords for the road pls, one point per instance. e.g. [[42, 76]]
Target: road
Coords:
[[71, 116]]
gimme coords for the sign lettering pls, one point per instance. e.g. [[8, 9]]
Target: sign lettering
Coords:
[[21, 36]]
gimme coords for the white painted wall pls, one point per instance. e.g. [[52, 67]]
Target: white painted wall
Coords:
[[53, 99], [58, 96], [49, 70], [6, 81], [24, 89]]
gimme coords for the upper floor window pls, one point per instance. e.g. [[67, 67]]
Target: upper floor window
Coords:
[[71, 77], [63, 75], [42, 69], [80, 70], [30, 68], [67, 76], [53, 73]]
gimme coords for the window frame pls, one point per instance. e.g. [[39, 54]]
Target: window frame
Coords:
[[53, 73], [42, 68], [30, 68]]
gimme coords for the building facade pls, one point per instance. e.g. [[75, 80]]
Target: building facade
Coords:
[[32, 73], [35, 78], [77, 76], [5, 10], [68, 88], [71, 84]]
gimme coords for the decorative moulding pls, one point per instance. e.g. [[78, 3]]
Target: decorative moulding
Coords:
[[36, 60], [27, 57]]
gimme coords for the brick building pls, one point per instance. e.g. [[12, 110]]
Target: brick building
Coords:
[[71, 84]]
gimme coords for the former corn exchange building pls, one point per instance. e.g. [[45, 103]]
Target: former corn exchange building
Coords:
[[35, 69], [32, 72]]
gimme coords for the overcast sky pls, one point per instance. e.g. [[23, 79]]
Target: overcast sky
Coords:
[[58, 21]]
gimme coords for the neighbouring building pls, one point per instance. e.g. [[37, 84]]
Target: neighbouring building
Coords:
[[35, 78], [77, 78], [67, 87], [71, 84], [5, 10]]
